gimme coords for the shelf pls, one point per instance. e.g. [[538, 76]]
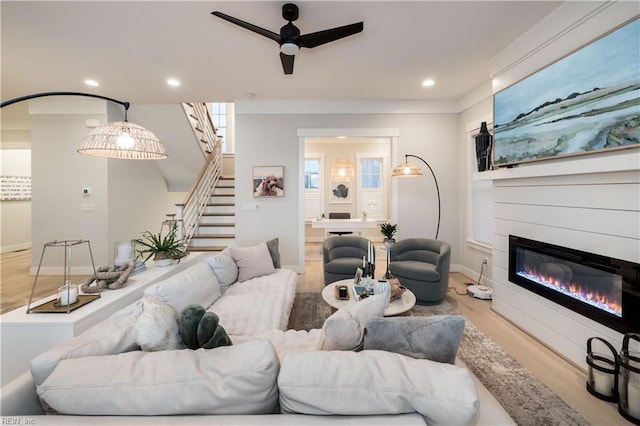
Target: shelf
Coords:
[[618, 161]]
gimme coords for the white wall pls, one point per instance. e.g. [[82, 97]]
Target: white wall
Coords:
[[589, 203], [16, 215], [271, 139], [128, 197]]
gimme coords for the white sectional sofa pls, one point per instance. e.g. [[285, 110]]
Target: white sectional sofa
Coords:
[[268, 376]]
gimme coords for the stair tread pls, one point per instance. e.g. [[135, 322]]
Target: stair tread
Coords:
[[213, 236], [218, 214], [221, 204], [211, 225], [207, 248]]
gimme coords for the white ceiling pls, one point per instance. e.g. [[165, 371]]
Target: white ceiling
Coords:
[[131, 48]]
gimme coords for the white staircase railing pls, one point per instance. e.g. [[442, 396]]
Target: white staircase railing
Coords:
[[188, 213]]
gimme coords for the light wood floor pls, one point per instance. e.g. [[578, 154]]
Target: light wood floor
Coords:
[[562, 377]]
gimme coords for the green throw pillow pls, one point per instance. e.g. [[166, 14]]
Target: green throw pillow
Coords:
[[202, 329]]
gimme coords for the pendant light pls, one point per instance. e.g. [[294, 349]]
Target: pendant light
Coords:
[[342, 170]]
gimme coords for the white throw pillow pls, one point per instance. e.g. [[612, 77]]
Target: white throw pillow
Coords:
[[344, 330], [239, 379], [224, 268], [157, 326], [253, 261], [197, 284], [376, 382]]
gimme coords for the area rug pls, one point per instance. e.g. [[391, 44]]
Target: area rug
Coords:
[[527, 400]]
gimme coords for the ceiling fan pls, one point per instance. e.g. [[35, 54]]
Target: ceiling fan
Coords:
[[290, 40]]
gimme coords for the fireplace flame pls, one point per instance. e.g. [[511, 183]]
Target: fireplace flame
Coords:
[[607, 302]]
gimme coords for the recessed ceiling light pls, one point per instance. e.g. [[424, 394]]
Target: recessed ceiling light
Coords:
[[428, 82], [173, 82], [91, 82]]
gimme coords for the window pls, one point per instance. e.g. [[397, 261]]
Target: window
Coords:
[[480, 198], [313, 199], [482, 192], [219, 119], [372, 194], [371, 169], [312, 173]]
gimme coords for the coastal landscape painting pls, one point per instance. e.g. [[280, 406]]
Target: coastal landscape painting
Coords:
[[588, 101]]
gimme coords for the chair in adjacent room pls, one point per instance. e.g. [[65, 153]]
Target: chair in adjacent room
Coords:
[[422, 266], [340, 215], [342, 256]]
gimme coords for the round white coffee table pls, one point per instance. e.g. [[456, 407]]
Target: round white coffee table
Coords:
[[396, 307]]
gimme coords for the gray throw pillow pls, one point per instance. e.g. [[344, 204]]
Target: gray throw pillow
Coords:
[[436, 338], [272, 245]]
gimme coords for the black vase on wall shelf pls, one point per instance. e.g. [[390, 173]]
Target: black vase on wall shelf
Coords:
[[484, 146]]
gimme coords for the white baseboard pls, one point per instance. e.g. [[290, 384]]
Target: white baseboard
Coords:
[[15, 247], [474, 275]]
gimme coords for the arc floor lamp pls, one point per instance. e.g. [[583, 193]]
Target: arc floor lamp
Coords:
[[407, 169], [119, 139]]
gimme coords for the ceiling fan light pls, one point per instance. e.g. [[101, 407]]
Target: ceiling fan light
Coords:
[[289, 48]]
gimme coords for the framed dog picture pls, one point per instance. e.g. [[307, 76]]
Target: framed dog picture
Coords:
[[268, 181]]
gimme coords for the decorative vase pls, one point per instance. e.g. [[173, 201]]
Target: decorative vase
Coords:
[[384, 288], [484, 147], [161, 260], [388, 242]]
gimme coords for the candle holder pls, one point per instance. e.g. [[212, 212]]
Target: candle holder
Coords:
[[602, 380], [68, 297], [629, 380]]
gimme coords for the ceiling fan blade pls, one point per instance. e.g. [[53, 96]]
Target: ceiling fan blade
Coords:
[[287, 63], [326, 36], [256, 29]]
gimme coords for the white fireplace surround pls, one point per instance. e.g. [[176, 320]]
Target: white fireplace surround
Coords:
[[589, 203]]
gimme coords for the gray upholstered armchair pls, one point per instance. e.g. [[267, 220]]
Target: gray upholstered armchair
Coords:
[[342, 256], [422, 266]]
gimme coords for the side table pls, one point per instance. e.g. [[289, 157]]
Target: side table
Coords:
[[396, 307]]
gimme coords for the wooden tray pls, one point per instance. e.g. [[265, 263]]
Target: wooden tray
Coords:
[[52, 305]]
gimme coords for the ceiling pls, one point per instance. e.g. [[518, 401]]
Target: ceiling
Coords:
[[131, 48]]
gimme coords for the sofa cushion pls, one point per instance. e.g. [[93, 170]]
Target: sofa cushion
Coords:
[[376, 382], [253, 261], [274, 251], [112, 336], [259, 304], [224, 268], [240, 379], [196, 284], [344, 329], [436, 338], [157, 326]]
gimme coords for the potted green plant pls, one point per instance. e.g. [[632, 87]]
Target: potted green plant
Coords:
[[388, 230], [164, 249]]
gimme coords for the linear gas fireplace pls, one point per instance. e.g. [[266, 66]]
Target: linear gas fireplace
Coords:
[[601, 288]]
